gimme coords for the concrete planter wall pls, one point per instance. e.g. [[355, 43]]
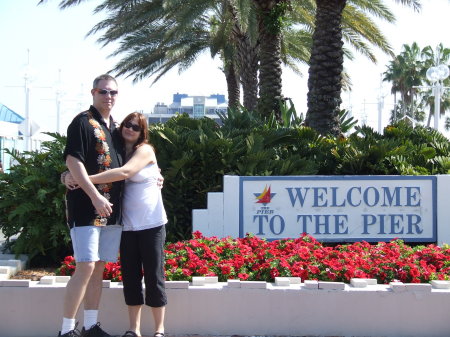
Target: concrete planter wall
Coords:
[[206, 307]]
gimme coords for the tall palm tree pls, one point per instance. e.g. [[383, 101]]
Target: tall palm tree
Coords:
[[246, 45], [326, 65], [155, 36], [432, 57], [405, 72], [270, 13]]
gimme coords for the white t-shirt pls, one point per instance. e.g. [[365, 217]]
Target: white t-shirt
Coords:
[[142, 201]]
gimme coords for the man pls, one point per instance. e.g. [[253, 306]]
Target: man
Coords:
[[93, 211]]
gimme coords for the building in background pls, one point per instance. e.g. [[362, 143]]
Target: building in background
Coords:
[[10, 137], [12, 130], [194, 106]]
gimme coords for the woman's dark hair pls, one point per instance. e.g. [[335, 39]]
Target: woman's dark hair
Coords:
[[142, 122]]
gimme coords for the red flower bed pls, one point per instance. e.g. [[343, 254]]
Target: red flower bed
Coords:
[[251, 258]]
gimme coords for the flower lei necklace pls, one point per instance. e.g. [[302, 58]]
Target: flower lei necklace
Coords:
[[104, 162]]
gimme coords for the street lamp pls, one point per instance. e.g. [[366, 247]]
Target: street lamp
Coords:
[[436, 75], [59, 91], [28, 76]]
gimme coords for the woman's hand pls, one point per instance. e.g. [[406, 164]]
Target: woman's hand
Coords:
[[69, 181]]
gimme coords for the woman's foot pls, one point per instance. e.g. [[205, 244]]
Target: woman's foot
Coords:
[[130, 333], [159, 334]]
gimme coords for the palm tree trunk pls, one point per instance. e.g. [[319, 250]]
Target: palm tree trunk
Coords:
[[326, 66], [248, 70], [247, 61], [233, 87], [270, 71]]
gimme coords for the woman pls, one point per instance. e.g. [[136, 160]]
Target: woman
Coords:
[[144, 217]]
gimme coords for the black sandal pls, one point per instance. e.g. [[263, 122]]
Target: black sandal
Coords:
[[159, 334], [130, 333]]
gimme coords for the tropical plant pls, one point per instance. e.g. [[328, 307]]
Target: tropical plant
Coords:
[[156, 36], [440, 55], [407, 72], [32, 210], [346, 122], [326, 66]]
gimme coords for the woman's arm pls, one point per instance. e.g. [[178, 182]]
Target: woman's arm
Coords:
[[143, 156]]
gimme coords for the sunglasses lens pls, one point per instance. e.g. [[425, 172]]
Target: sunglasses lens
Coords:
[[104, 92], [129, 125]]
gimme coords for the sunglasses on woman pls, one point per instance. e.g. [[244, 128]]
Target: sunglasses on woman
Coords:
[[135, 127]]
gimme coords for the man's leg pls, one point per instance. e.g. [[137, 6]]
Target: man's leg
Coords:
[[85, 246], [108, 250], [94, 288], [93, 295], [77, 288]]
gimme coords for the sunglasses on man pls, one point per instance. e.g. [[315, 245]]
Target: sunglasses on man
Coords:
[[104, 92]]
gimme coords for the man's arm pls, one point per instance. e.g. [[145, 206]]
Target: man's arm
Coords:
[[78, 171]]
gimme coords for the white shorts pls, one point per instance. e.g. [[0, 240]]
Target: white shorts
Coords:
[[96, 243]]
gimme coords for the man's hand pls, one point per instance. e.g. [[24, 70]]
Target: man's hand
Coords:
[[102, 206], [160, 180]]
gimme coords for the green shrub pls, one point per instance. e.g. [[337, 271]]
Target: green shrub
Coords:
[[195, 154], [32, 206]]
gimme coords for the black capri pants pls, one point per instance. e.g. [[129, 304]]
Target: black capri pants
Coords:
[[143, 250]]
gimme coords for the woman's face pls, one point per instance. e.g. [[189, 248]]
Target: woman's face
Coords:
[[129, 134]]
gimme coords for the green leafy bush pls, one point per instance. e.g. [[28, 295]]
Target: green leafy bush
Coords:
[[195, 154], [32, 206]]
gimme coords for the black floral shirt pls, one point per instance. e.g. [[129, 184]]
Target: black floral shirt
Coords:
[[99, 149]]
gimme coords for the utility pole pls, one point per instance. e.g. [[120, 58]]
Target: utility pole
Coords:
[[59, 93], [28, 78]]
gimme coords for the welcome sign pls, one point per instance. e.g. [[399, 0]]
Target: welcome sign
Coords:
[[330, 208], [339, 208]]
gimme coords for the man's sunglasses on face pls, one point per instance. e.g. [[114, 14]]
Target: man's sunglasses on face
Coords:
[[104, 92]]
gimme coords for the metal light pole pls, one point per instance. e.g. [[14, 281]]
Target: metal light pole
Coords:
[[59, 93], [28, 77], [437, 75]]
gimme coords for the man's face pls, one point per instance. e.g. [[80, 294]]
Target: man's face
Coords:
[[104, 96]]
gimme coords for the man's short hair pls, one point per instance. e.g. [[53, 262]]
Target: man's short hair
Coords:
[[105, 77]]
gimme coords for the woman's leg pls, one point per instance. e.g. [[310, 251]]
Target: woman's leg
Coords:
[[151, 244], [158, 317], [134, 315], [131, 267]]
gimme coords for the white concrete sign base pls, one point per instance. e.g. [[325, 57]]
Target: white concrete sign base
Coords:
[[330, 208]]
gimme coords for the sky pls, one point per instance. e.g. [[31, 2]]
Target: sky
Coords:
[[53, 45]]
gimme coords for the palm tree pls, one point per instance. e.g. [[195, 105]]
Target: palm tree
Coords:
[[270, 13], [246, 46], [405, 72], [156, 36], [432, 57], [326, 65]]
